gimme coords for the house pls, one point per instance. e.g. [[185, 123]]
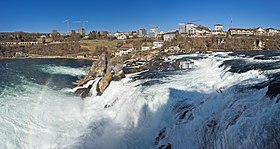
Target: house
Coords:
[[260, 31], [218, 30], [218, 27], [125, 49], [20, 54], [193, 29], [157, 44], [241, 31], [272, 32], [169, 36], [146, 46], [201, 30], [120, 36]]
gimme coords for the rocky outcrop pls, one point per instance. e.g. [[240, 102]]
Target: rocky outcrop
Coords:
[[104, 83], [106, 69], [273, 88]]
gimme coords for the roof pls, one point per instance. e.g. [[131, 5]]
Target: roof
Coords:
[[200, 27], [272, 29], [249, 29], [218, 25], [169, 33], [126, 46]]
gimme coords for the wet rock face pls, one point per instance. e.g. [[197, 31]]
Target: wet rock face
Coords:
[[273, 88], [101, 65], [83, 92], [166, 146], [104, 83], [108, 69], [160, 136]]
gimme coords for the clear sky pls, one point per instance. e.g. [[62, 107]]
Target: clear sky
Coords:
[[128, 15]]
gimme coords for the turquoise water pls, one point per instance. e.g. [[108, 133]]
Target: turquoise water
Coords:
[[212, 105]]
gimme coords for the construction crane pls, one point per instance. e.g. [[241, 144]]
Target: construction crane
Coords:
[[83, 22], [154, 30], [154, 26], [68, 25], [188, 22], [230, 26]]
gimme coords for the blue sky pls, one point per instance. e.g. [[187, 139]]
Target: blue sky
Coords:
[[128, 15]]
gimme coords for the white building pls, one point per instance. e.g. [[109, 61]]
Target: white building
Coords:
[[146, 48], [272, 32], [241, 31], [169, 36], [182, 28], [218, 27], [120, 36], [125, 49], [142, 32], [157, 44], [218, 30], [260, 31], [193, 29]]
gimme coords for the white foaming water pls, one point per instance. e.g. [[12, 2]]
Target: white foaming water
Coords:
[[62, 70], [129, 115]]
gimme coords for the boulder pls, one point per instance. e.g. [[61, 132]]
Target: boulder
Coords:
[[101, 65], [92, 70], [116, 67], [119, 75], [104, 83], [83, 92], [84, 81], [273, 88], [107, 69]]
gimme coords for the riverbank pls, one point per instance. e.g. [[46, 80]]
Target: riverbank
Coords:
[[48, 57]]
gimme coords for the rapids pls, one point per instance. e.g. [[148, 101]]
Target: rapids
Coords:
[[213, 104]]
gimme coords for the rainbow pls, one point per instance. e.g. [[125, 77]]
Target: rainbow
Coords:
[[36, 108]]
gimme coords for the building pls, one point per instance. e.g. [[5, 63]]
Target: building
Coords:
[[141, 32], [241, 31], [81, 31], [125, 49], [190, 28], [153, 32], [218, 30], [169, 36], [20, 54], [120, 36], [146, 46], [218, 27], [201, 30], [260, 31], [254, 31], [272, 32], [193, 29], [182, 28], [157, 44], [72, 32]]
